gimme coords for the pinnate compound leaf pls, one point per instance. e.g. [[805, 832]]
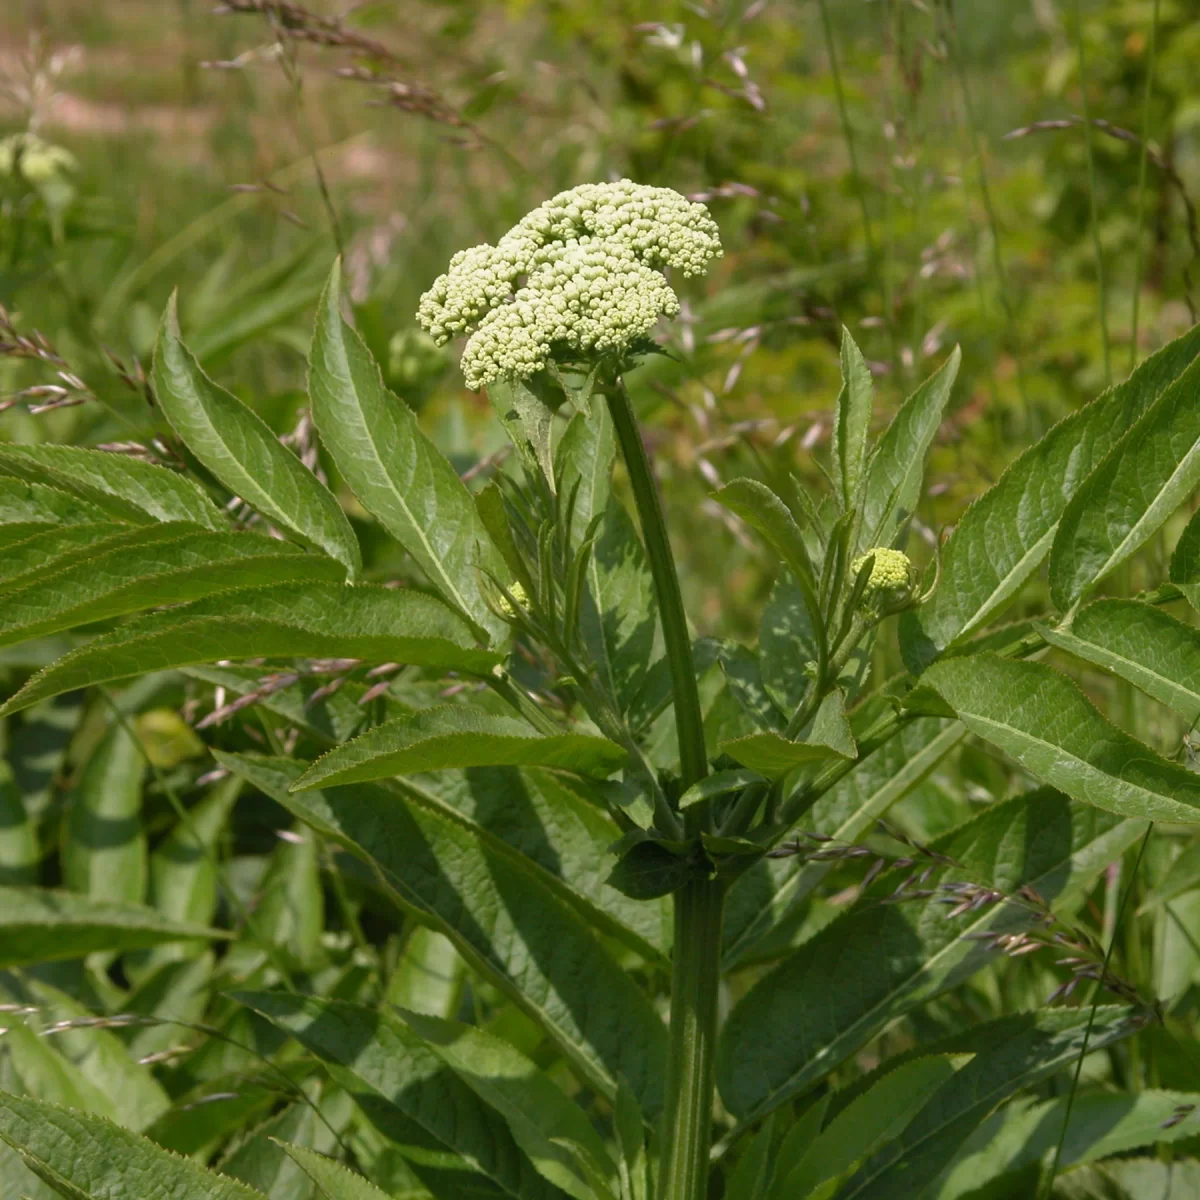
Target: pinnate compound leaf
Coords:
[[1141, 481], [1009, 1054], [507, 917], [135, 575], [314, 620], [453, 735], [1140, 643], [1042, 720], [773, 755], [333, 1181], [37, 925], [240, 449], [1004, 536], [397, 473], [89, 1158], [398, 1080], [892, 485], [858, 974], [125, 488]]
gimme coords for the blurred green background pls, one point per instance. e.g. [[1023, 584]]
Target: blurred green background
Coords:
[[914, 169]]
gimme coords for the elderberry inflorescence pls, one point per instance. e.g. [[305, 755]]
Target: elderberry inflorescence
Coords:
[[581, 273]]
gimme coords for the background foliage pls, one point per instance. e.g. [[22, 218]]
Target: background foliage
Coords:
[[914, 171]]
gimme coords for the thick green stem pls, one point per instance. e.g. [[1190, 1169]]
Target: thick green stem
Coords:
[[695, 976], [689, 722]]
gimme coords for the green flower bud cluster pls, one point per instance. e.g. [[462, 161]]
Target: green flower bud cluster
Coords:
[[36, 160], [581, 273], [892, 578]]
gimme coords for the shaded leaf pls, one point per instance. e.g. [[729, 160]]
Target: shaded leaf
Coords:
[[648, 870], [773, 755]]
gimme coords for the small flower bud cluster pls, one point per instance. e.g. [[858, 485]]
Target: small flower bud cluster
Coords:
[[580, 272], [892, 578], [38, 161]]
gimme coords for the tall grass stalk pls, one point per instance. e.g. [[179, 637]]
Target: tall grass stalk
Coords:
[[1139, 261]]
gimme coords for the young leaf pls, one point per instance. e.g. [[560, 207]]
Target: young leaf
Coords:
[[773, 755], [858, 974], [1142, 644], [317, 620], [1131, 493], [397, 1080], [395, 470], [852, 420], [456, 736], [89, 1158], [1041, 719], [39, 926], [534, 1107], [507, 918], [1009, 1054], [104, 853], [333, 1181], [240, 449], [1004, 536], [892, 484], [125, 488], [138, 573]]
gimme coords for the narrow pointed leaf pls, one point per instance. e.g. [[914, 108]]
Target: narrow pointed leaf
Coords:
[[44, 549], [127, 489], [1140, 643], [859, 973], [852, 420], [892, 485], [1131, 493], [1004, 536], [89, 1158], [395, 470], [457, 736], [38, 925], [240, 449], [291, 620], [502, 913], [1041, 719], [773, 755], [333, 1181], [534, 1107], [132, 577], [396, 1078], [1009, 1054]]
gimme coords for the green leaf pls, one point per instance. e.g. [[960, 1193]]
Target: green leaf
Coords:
[[19, 851], [1185, 561], [648, 870], [429, 974], [752, 1175], [720, 783], [797, 1142], [852, 420], [395, 470], [333, 1181], [1142, 644], [773, 755], [536, 1110], [1131, 493], [631, 1141], [453, 735], [125, 488], [744, 677], [875, 1117], [583, 464], [1023, 1135], [859, 973], [257, 1157], [830, 727], [1041, 719], [1004, 536], [528, 420], [507, 917], [133, 577], [892, 485], [760, 902], [240, 449], [39, 926], [104, 852], [291, 912], [89, 1158], [318, 620], [397, 1079], [1009, 1054], [37, 504], [1182, 876], [786, 644]]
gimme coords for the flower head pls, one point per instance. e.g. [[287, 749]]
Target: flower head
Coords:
[[580, 272], [891, 581]]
